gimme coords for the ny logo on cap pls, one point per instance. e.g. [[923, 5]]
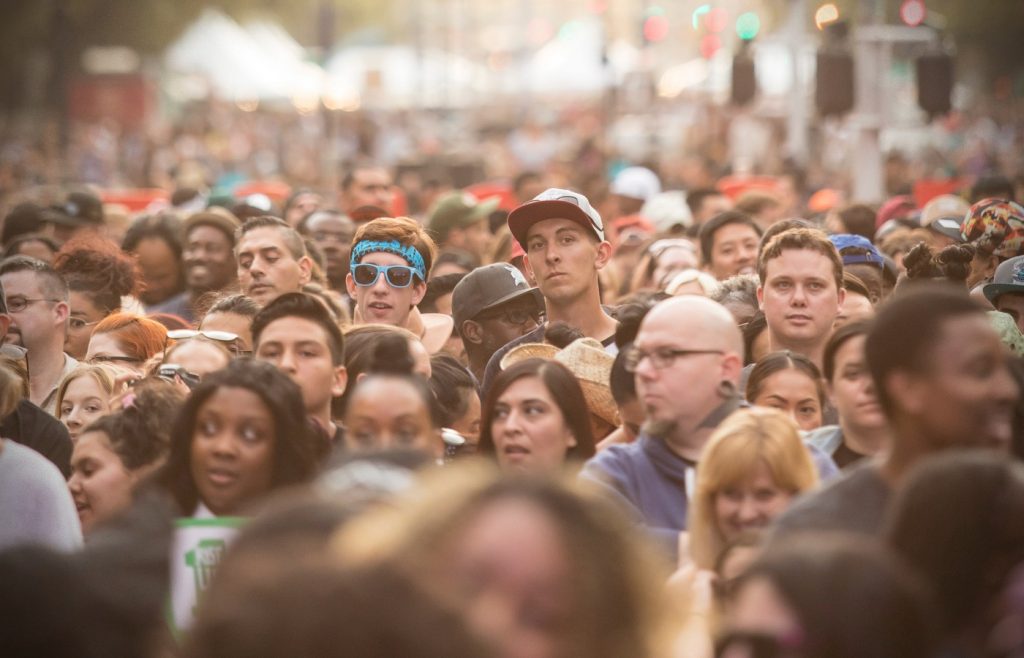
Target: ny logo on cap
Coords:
[[517, 276], [1018, 272]]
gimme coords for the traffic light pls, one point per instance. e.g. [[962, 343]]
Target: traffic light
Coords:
[[834, 81], [744, 79], [655, 25], [935, 83], [913, 12], [748, 25]]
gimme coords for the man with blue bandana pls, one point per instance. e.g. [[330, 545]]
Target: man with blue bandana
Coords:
[[391, 258]]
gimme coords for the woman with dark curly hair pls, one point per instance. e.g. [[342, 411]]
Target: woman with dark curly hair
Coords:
[[98, 274], [242, 433]]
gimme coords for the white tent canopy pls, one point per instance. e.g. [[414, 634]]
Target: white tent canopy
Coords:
[[261, 61], [257, 62]]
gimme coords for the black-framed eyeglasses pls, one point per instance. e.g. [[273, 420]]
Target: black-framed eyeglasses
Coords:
[[19, 304], [515, 317], [114, 358], [661, 358], [397, 276]]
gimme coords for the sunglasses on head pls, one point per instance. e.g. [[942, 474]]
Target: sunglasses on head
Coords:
[[229, 339], [185, 334], [397, 276]]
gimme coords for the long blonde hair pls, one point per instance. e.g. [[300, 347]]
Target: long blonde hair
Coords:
[[106, 376], [741, 444]]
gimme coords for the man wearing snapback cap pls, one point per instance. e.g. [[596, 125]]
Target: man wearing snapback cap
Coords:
[[493, 305], [563, 237]]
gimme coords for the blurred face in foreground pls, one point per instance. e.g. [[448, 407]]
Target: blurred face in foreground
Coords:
[[100, 484], [965, 394], [388, 412], [511, 571]]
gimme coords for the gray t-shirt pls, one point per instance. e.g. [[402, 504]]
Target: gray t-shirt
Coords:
[[35, 505]]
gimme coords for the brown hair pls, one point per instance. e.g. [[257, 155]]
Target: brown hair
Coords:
[[98, 268], [405, 230], [757, 201], [801, 238], [292, 240]]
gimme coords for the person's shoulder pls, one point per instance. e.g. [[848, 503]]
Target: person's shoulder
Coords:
[[615, 460], [853, 501], [23, 466], [31, 426], [34, 419], [619, 452], [825, 438]]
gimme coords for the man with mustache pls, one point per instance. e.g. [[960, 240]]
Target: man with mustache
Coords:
[[37, 300], [28, 424]]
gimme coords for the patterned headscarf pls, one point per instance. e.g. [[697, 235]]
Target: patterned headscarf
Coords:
[[998, 221]]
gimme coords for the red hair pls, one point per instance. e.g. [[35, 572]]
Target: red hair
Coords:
[[138, 336]]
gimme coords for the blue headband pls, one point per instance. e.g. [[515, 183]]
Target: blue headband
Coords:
[[408, 252]]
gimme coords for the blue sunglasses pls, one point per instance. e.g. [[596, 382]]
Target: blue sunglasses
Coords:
[[397, 276]]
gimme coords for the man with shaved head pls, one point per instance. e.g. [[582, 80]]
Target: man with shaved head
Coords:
[[687, 359]]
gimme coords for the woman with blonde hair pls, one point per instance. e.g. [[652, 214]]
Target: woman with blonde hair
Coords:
[[749, 472], [86, 394]]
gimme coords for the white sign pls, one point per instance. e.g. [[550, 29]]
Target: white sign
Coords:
[[197, 549]]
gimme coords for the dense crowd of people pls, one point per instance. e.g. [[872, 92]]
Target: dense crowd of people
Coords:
[[717, 421]]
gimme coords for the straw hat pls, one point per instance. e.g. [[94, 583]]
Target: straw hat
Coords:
[[587, 359], [527, 351]]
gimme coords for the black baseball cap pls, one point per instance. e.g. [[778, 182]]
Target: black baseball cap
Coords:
[[487, 287], [24, 218], [78, 209], [949, 226]]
